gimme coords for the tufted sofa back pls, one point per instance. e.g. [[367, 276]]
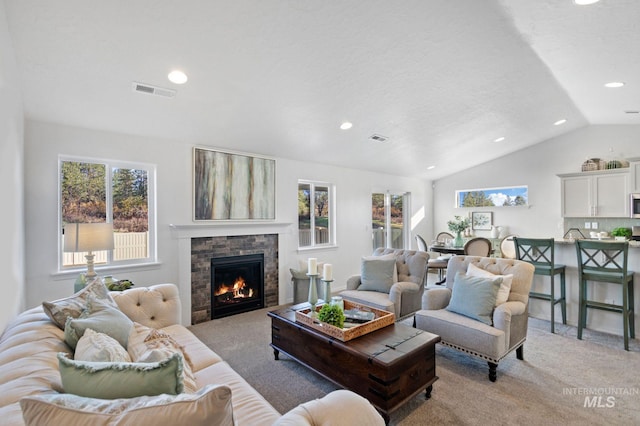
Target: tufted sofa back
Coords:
[[522, 272], [411, 264], [156, 306]]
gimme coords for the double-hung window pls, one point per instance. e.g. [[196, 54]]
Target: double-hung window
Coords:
[[316, 214], [108, 191]]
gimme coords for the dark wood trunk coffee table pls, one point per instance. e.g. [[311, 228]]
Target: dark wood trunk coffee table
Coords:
[[388, 366]]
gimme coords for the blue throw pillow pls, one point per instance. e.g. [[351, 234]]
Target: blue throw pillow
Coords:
[[474, 297], [101, 317], [377, 274]]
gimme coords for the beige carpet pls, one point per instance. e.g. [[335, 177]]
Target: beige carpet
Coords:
[[547, 388]]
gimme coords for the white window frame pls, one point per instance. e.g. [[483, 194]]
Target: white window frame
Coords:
[[151, 200], [406, 217], [332, 214]]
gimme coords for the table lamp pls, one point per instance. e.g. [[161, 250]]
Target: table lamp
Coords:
[[88, 237]]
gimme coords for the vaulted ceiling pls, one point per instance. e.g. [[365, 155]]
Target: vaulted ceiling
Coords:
[[441, 79]]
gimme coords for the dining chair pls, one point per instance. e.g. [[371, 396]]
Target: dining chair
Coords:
[[605, 262], [507, 247], [437, 263], [478, 246], [540, 253]]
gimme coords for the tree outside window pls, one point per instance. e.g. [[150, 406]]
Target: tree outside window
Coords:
[[98, 192], [315, 223]]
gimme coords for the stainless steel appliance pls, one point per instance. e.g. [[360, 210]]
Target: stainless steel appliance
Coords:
[[634, 203], [635, 233]]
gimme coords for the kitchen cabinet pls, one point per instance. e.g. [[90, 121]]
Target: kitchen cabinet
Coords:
[[595, 194], [635, 176]]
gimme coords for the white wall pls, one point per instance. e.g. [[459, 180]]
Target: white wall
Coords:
[[11, 175], [45, 141], [537, 167]]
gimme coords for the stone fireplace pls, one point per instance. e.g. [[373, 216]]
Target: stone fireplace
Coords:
[[219, 254]]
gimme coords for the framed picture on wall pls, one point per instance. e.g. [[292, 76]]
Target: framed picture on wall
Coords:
[[481, 221], [233, 186]]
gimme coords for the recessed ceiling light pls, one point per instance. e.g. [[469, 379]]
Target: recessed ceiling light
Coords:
[[585, 2], [346, 125], [177, 77], [559, 122], [431, 167], [500, 139], [614, 84]]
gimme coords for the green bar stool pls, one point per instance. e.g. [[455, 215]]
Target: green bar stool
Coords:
[[605, 262], [540, 253]]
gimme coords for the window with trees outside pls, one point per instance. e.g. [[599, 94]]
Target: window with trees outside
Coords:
[[315, 214], [96, 191], [388, 218]]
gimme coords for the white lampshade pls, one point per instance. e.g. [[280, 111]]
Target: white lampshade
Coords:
[[81, 237]]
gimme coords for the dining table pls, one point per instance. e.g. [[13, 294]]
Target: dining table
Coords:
[[446, 249]]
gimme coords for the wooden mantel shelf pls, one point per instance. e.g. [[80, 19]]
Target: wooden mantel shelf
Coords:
[[211, 229]]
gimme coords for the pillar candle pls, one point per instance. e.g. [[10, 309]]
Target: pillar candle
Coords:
[[327, 272], [313, 268]]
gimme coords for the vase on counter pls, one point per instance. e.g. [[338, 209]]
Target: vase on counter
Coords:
[[458, 242], [495, 231]]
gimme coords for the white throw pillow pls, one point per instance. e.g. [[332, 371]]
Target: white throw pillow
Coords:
[[210, 406], [99, 347], [505, 287]]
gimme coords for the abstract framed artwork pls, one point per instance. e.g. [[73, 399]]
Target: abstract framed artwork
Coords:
[[481, 220], [232, 186], [493, 197]]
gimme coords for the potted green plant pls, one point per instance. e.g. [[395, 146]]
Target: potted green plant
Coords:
[[332, 314], [621, 234], [458, 225]]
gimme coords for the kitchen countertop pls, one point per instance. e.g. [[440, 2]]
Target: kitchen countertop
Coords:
[[571, 241]]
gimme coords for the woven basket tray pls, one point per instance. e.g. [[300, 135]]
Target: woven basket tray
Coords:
[[382, 319]]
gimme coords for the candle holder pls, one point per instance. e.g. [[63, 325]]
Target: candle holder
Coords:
[[327, 290], [313, 291]]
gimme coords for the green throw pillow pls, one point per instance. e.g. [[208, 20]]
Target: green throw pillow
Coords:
[[474, 297], [377, 274], [110, 380], [100, 317]]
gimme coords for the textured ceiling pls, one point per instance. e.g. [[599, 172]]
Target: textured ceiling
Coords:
[[441, 78]]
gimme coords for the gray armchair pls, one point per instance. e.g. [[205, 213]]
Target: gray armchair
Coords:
[[405, 296], [508, 330]]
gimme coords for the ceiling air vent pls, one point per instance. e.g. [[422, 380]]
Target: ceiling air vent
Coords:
[[153, 90], [378, 138]]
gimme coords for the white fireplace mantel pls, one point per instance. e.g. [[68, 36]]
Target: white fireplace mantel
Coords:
[[184, 234]]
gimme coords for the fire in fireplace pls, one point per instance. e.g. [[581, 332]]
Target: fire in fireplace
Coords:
[[237, 284]]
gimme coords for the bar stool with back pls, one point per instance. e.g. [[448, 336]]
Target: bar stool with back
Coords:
[[540, 253], [605, 262]]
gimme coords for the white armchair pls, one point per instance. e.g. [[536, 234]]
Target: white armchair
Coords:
[[405, 295], [509, 320]]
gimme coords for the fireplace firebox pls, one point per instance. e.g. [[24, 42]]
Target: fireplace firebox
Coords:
[[237, 284]]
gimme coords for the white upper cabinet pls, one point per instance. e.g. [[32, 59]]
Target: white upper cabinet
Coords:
[[595, 194]]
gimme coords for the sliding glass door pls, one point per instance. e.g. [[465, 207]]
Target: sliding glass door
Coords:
[[388, 218]]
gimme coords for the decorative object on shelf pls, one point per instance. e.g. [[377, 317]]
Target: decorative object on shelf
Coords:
[[88, 237], [481, 221], [80, 283], [331, 314], [621, 233], [496, 231], [458, 225]]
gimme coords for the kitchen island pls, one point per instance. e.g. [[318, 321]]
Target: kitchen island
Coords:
[[609, 322]]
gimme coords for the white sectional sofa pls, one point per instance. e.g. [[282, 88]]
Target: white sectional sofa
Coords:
[[29, 371]]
